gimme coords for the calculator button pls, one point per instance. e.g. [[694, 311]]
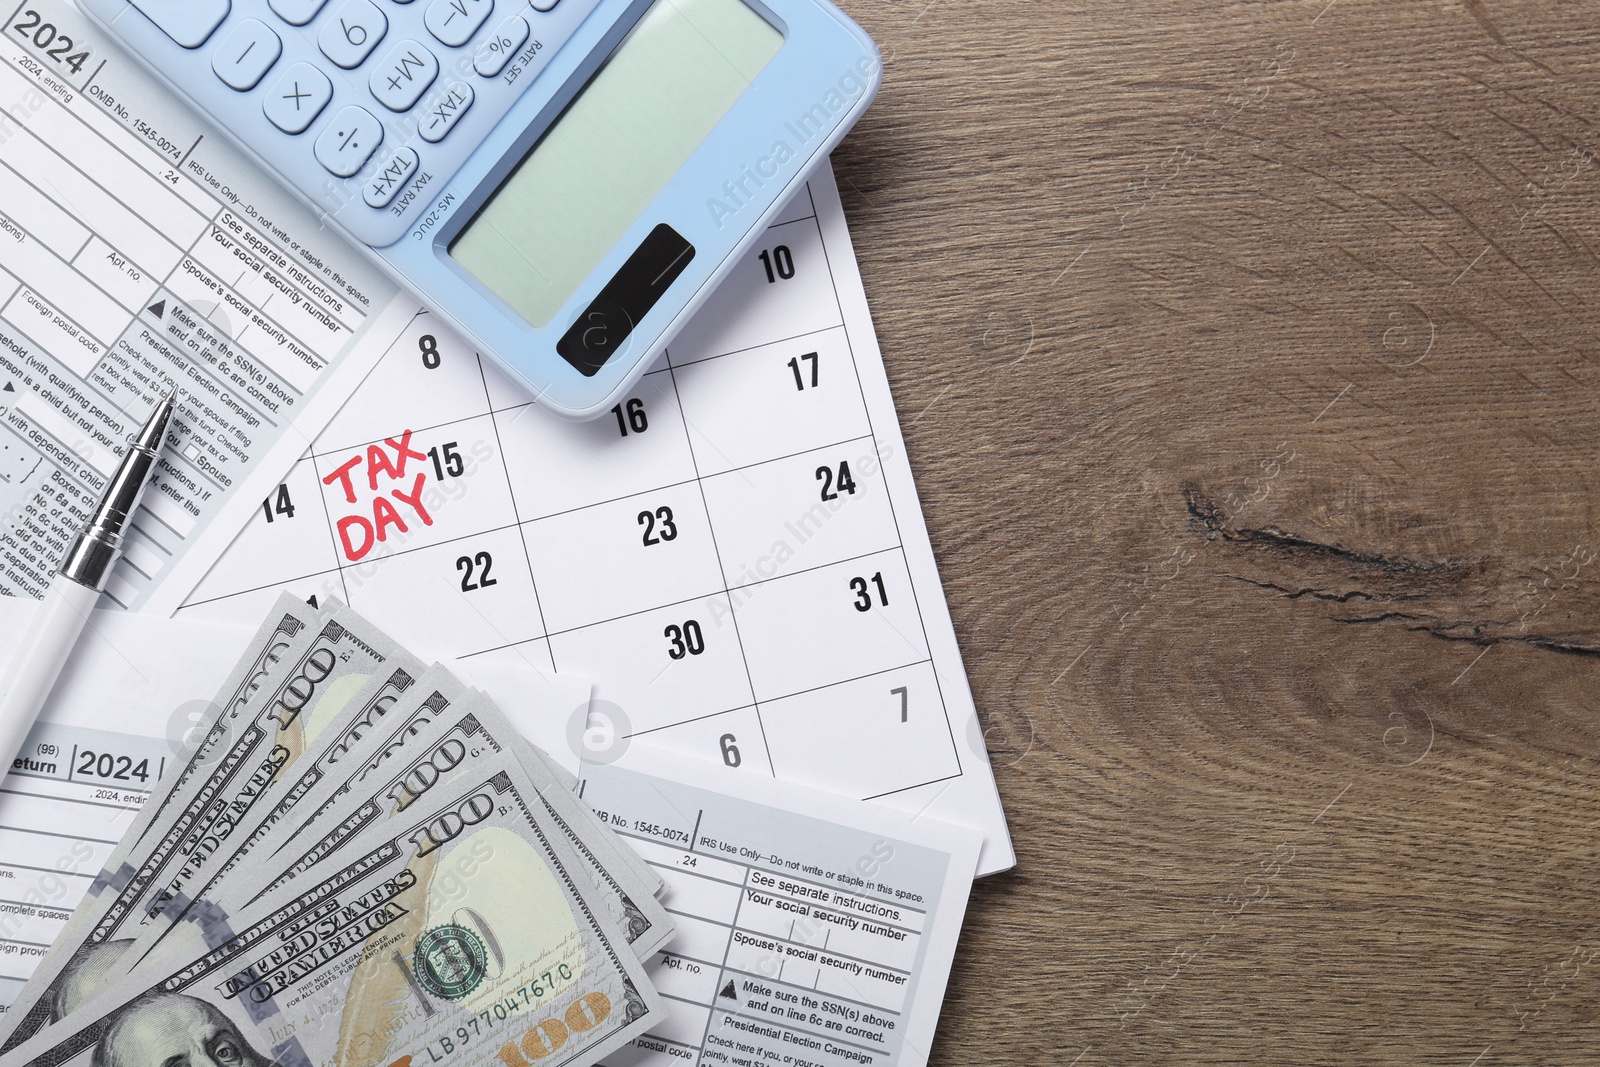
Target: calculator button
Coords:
[[495, 52], [352, 32], [545, 5], [297, 98], [403, 75], [296, 12], [440, 115], [189, 22], [248, 50], [349, 141], [455, 21], [382, 186]]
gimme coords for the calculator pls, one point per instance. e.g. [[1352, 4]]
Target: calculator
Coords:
[[563, 181]]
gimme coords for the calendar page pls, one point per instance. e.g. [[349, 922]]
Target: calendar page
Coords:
[[735, 553]]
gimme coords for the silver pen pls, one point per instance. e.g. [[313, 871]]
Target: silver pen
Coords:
[[76, 588]]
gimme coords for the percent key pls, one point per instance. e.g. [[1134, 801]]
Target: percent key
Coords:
[[496, 52]]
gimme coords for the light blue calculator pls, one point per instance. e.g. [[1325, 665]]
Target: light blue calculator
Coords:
[[563, 181]]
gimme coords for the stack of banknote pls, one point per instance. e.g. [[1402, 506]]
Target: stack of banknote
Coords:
[[356, 860]]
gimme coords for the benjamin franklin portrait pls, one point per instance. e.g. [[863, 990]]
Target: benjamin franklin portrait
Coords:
[[172, 1030]]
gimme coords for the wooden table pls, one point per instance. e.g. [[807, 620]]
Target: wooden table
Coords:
[[1246, 354]]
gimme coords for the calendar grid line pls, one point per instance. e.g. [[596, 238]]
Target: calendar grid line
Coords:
[[790, 696], [355, 565], [733, 469], [894, 513], [666, 368], [743, 467], [610, 500], [751, 348], [629, 615], [613, 500], [733, 613], [429, 428], [491, 624], [569, 629], [338, 567], [694, 718], [275, 584], [758, 583], [919, 785], [511, 495], [849, 681]]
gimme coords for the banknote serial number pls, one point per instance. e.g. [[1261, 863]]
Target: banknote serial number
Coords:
[[527, 996]]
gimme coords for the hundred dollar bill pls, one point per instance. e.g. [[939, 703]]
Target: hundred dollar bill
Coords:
[[413, 752], [583, 814], [282, 734], [48, 995], [252, 741], [612, 862], [463, 936], [569, 783], [568, 780], [350, 807], [391, 709], [614, 866], [317, 772], [426, 736], [338, 719], [618, 870]]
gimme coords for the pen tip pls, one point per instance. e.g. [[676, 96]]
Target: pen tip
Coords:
[[149, 436]]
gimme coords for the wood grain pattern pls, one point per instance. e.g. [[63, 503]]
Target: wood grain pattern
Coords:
[[1246, 356]]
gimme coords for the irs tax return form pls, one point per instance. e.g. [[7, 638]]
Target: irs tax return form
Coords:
[[813, 930], [136, 248]]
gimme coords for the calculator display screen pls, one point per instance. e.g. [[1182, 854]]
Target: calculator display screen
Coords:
[[595, 171]]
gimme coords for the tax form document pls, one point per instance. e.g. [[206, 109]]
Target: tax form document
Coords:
[[137, 248], [813, 931], [83, 774], [735, 554]]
